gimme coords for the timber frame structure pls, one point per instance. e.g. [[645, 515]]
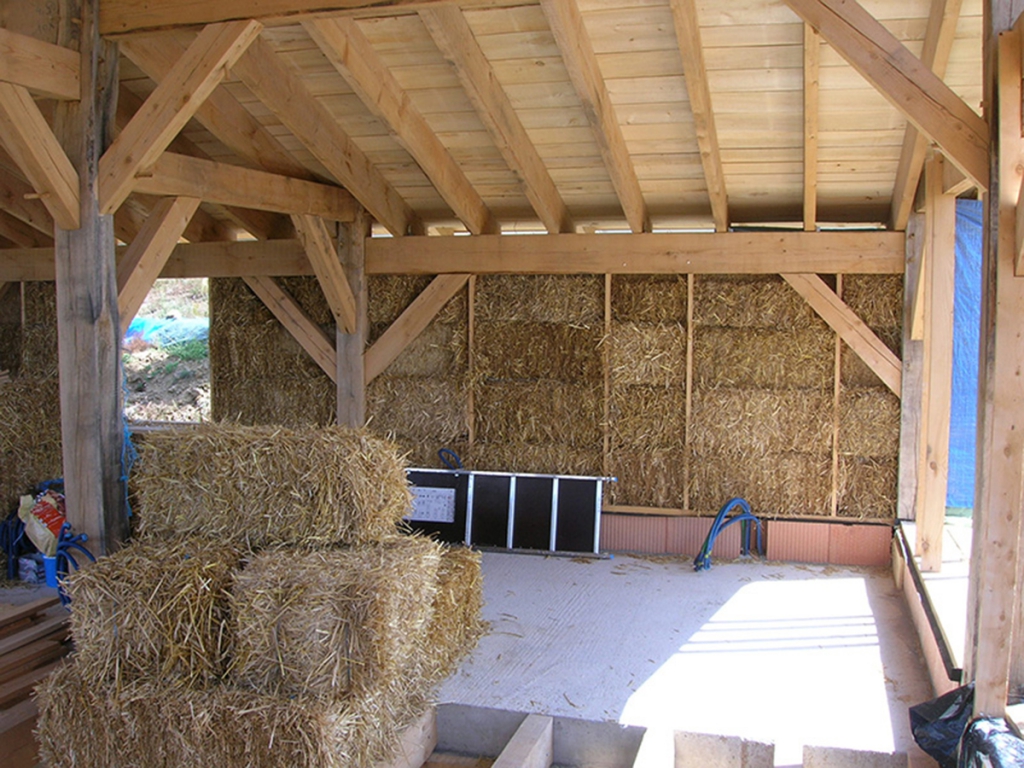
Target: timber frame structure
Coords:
[[792, 137]]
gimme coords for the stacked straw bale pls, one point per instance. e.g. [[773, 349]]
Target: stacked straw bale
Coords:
[[311, 639], [647, 408], [258, 372], [869, 413], [420, 401], [30, 436], [538, 368], [763, 398]]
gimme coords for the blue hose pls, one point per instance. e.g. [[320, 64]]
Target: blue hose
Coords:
[[449, 458], [722, 521]]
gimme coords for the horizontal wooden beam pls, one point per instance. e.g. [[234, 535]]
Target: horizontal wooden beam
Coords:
[[851, 329], [297, 322], [27, 136], [710, 253], [910, 86], [410, 324], [181, 176], [118, 17], [46, 69]]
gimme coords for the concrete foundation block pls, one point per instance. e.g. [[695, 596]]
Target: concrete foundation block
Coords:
[[835, 757], [699, 750]]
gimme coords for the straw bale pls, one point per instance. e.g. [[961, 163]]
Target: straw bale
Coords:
[[260, 486], [260, 351], [752, 423], [541, 458], [648, 417], [539, 412], [30, 440], [648, 478], [855, 372], [877, 299], [869, 422], [10, 330], [775, 484], [528, 350], [750, 301], [439, 351], [39, 332], [424, 454], [417, 408], [764, 359], [332, 624], [233, 304], [293, 403], [158, 611], [389, 295], [572, 299], [649, 298], [646, 353], [868, 487], [85, 724], [455, 625]]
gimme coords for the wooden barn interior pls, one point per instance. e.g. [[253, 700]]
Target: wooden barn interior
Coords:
[[703, 247]]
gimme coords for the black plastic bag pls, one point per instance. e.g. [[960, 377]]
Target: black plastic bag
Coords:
[[937, 725], [990, 743]]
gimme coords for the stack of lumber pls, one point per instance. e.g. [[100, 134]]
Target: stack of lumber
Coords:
[[32, 641], [271, 614]]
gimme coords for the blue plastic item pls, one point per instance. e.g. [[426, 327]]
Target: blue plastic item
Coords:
[[449, 458], [722, 521]]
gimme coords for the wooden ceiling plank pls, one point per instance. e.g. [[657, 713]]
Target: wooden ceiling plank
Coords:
[[21, 234], [263, 72], [182, 176], [454, 38], [353, 56], [118, 17], [27, 136], [148, 252], [297, 322], [193, 77], [684, 15], [577, 51], [221, 114], [902, 79], [262, 225], [938, 43], [411, 323], [323, 255], [850, 328], [812, 66], [48, 70]]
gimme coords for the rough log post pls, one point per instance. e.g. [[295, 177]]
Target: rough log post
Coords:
[[351, 375], [87, 319], [994, 589]]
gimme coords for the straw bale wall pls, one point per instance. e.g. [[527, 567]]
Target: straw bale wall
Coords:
[[30, 438], [686, 405]]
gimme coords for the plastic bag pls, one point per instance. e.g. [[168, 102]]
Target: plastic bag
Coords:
[[990, 743], [43, 520], [937, 725]]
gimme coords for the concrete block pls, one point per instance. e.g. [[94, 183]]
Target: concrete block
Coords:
[[699, 750], [836, 757]]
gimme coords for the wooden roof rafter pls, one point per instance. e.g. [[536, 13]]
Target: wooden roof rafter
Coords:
[[355, 59], [454, 37], [577, 51], [684, 14]]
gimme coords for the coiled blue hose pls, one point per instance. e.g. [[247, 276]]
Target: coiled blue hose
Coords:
[[703, 560]]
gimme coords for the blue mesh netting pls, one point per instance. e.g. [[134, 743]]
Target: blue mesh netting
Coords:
[[963, 421], [162, 332]]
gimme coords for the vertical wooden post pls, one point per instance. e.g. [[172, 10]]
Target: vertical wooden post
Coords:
[[88, 332], [994, 591], [837, 382], [351, 373], [691, 280], [937, 366], [606, 427], [912, 379], [470, 362]]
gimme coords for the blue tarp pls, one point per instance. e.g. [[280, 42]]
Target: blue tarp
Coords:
[[963, 421], [161, 332]]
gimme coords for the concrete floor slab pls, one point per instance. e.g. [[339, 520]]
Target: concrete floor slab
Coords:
[[791, 654]]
